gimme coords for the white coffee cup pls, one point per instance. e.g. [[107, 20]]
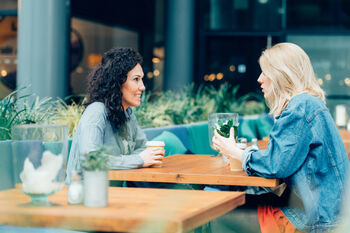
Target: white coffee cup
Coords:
[[154, 144]]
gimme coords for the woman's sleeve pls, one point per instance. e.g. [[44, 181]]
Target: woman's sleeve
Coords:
[[125, 161], [140, 141], [287, 149]]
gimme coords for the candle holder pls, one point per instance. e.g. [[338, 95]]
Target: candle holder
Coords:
[[39, 159]]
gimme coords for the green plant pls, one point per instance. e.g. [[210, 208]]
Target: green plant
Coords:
[[192, 104], [224, 129], [9, 114], [64, 114], [227, 100], [35, 111], [169, 108], [96, 160]]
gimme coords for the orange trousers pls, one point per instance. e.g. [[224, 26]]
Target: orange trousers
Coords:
[[272, 220]]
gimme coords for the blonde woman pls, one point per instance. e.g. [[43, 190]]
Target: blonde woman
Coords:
[[305, 149]]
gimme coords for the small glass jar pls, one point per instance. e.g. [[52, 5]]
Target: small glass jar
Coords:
[[242, 143], [75, 189], [255, 143]]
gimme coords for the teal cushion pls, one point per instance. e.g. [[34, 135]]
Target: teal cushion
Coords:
[[264, 126], [6, 165], [247, 129], [199, 139], [54, 147], [173, 144]]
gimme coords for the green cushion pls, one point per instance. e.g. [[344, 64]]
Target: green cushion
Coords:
[[264, 127], [6, 165], [199, 139], [54, 147], [173, 144], [247, 129]]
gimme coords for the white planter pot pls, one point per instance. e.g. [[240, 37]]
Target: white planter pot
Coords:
[[95, 188]]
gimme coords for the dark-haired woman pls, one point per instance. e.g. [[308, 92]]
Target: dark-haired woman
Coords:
[[114, 86]]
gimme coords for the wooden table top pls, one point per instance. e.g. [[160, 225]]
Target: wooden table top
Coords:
[[193, 169], [345, 135], [129, 210]]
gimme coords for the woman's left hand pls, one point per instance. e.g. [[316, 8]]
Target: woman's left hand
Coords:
[[227, 146]]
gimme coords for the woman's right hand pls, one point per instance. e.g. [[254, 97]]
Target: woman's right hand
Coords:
[[152, 156], [227, 146]]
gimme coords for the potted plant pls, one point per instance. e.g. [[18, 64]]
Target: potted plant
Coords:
[[191, 105], [65, 114], [95, 173], [9, 115]]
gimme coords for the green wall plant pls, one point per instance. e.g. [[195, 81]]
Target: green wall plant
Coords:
[[65, 114], [24, 110], [35, 111], [193, 105], [17, 110], [187, 106], [8, 115]]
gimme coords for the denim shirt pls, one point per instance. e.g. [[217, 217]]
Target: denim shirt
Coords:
[[306, 151], [94, 130]]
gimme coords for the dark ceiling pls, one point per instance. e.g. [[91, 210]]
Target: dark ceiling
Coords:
[[134, 14]]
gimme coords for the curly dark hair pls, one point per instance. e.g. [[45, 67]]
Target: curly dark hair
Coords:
[[106, 79]]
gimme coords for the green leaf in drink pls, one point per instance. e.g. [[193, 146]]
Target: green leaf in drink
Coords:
[[224, 129]]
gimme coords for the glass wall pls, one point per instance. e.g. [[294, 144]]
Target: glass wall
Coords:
[[235, 60], [89, 41], [232, 34], [330, 57], [8, 54], [8, 46], [261, 15], [318, 14]]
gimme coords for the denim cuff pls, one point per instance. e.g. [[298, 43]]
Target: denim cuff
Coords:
[[247, 153]]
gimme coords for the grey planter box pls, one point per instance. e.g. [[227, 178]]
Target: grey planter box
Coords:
[[6, 165]]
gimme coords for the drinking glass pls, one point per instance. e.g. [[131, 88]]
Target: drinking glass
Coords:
[[217, 120], [39, 159]]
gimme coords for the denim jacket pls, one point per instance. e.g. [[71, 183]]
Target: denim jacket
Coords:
[[94, 130], [307, 153]]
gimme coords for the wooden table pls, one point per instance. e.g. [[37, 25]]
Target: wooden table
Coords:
[[193, 169], [129, 210], [345, 135]]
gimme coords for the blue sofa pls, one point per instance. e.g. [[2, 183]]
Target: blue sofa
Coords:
[[194, 137], [191, 138]]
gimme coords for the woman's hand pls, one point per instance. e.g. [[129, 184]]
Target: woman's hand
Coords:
[[152, 156], [227, 146]]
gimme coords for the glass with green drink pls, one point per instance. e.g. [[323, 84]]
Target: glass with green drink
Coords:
[[222, 123]]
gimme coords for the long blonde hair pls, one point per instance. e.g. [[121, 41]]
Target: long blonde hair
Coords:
[[291, 73]]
